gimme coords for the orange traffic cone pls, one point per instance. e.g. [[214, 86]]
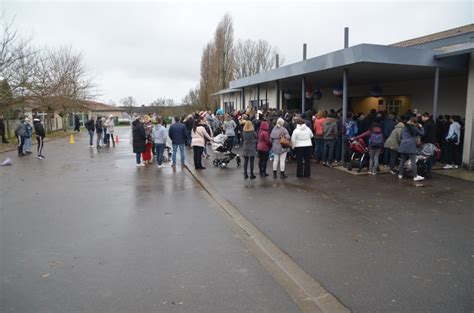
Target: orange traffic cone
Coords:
[[116, 138]]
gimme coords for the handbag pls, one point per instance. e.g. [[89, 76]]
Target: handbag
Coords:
[[284, 142], [453, 138]]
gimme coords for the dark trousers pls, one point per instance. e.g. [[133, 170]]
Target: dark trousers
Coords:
[[303, 163], [262, 161], [91, 137], [4, 140], [230, 142], [392, 158], [454, 154], [21, 143], [39, 148], [77, 128], [246, 164], [197, 156], [328, 155]]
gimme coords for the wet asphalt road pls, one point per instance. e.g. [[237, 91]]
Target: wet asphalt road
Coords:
[[89, 232], [377, 243]]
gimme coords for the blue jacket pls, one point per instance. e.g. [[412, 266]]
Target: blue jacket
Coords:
[[408, 139], [388, 125], [178, 133]]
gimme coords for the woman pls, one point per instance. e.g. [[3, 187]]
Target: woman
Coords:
[[263, 146], [148, 126], [407, 148], [279, 152], [139, 140], [392, 144], [160, 136], [110, 125], [229, 130], [318, 127], [301, 142], [250, 140], [199, 136], [453, 140]]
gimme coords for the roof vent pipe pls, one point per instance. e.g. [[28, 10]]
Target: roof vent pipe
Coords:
[[346, 37], [277, 61], [304, 51]]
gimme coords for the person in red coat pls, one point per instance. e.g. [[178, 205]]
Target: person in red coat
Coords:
[[263, 146]]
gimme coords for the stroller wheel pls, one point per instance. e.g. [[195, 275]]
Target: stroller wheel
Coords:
[[215, 162], [238, 160], [223, 165], [349, 168]]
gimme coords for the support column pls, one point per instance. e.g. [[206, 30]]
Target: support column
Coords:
[[277, 90], [303, 96], [243, 98], [435, 94], [258, 96], [468, 152], [345, 101]]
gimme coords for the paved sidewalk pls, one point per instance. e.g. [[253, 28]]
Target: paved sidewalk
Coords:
[[378, 243], [87, 231]]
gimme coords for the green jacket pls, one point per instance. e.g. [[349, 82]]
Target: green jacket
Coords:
[[393, 141]]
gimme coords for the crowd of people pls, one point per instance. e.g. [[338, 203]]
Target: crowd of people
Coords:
[[104, 128], [24, 134], [278, 136]]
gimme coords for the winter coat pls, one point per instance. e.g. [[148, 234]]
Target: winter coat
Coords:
[[264, 142], [139, 137], [330, 129], [90, 125], [388, 125], [301, 136], [98, 126], [229, 128], [408, 139], [20, 129], [110, 125], [198, 137], [430, 132], [275, 135], [39, 129], [29, 130], [393, 141], [178, 133], [366, 135], [454, 128], [318, 127], [159, 134], [250, 143], [351, 128]]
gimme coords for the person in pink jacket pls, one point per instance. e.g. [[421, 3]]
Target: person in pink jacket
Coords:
[[263, 146]]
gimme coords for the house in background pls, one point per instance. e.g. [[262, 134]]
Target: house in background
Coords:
[[95, 109]]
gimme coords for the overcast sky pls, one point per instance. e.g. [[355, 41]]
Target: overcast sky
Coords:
[[152, 49]]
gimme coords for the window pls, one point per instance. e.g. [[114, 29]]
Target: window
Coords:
[[394, 106], [229, 106]]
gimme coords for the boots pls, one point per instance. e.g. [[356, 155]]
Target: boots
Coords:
[[245, 175], [282, 175], [275, 175]]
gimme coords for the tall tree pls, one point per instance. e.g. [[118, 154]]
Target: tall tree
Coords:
[[252, 57]]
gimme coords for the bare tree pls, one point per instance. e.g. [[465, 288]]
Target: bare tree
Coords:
[[208, 81], [128, 103], [252, 57], [224, 51]]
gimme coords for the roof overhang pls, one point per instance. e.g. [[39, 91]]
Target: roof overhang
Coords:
[[226, 91], [354, 57], [456, 50]]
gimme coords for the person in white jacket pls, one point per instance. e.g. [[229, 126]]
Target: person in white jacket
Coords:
[[301, 142], [199, 136]]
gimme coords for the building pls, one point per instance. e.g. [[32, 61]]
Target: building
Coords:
[[433, 73]]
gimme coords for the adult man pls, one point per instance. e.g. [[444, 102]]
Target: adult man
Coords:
[[330, 133], [77, 123], [20, 133], [178, 134], [2, 129], [90, 125], [99, 131], [429, 137]]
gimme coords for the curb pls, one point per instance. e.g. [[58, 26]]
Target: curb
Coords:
[[308, 294]]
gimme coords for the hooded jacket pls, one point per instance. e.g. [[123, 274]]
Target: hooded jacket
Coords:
[[139, 137], [264, 142], [319, 127], [393, 141], [301, 136], [275, 135], [159, 134], [330, 129], [39, 129], [408, 139]]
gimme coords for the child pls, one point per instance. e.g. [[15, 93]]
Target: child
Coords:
[[375, 137]]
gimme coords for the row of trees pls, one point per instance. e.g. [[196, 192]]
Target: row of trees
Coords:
[[223, 60], [54, 79]]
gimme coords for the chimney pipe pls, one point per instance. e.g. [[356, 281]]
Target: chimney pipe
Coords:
[[304, 51], [346, 37], [277, 61]]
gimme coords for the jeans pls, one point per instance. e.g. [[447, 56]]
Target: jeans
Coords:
[[328, 155], [181, 150], [137, 157], [91, 137], [188, 139], [99, 140], [197, 156], [404, 158], [246, 164], [303, 161], [27, 145], [159, 150], [319, 148], [374, 159]]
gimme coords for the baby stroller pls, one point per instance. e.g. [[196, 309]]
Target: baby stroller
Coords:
[[359, 155], [220, 148], [425, 152]]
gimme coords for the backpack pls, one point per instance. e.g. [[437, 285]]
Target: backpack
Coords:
[[376, 140]]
